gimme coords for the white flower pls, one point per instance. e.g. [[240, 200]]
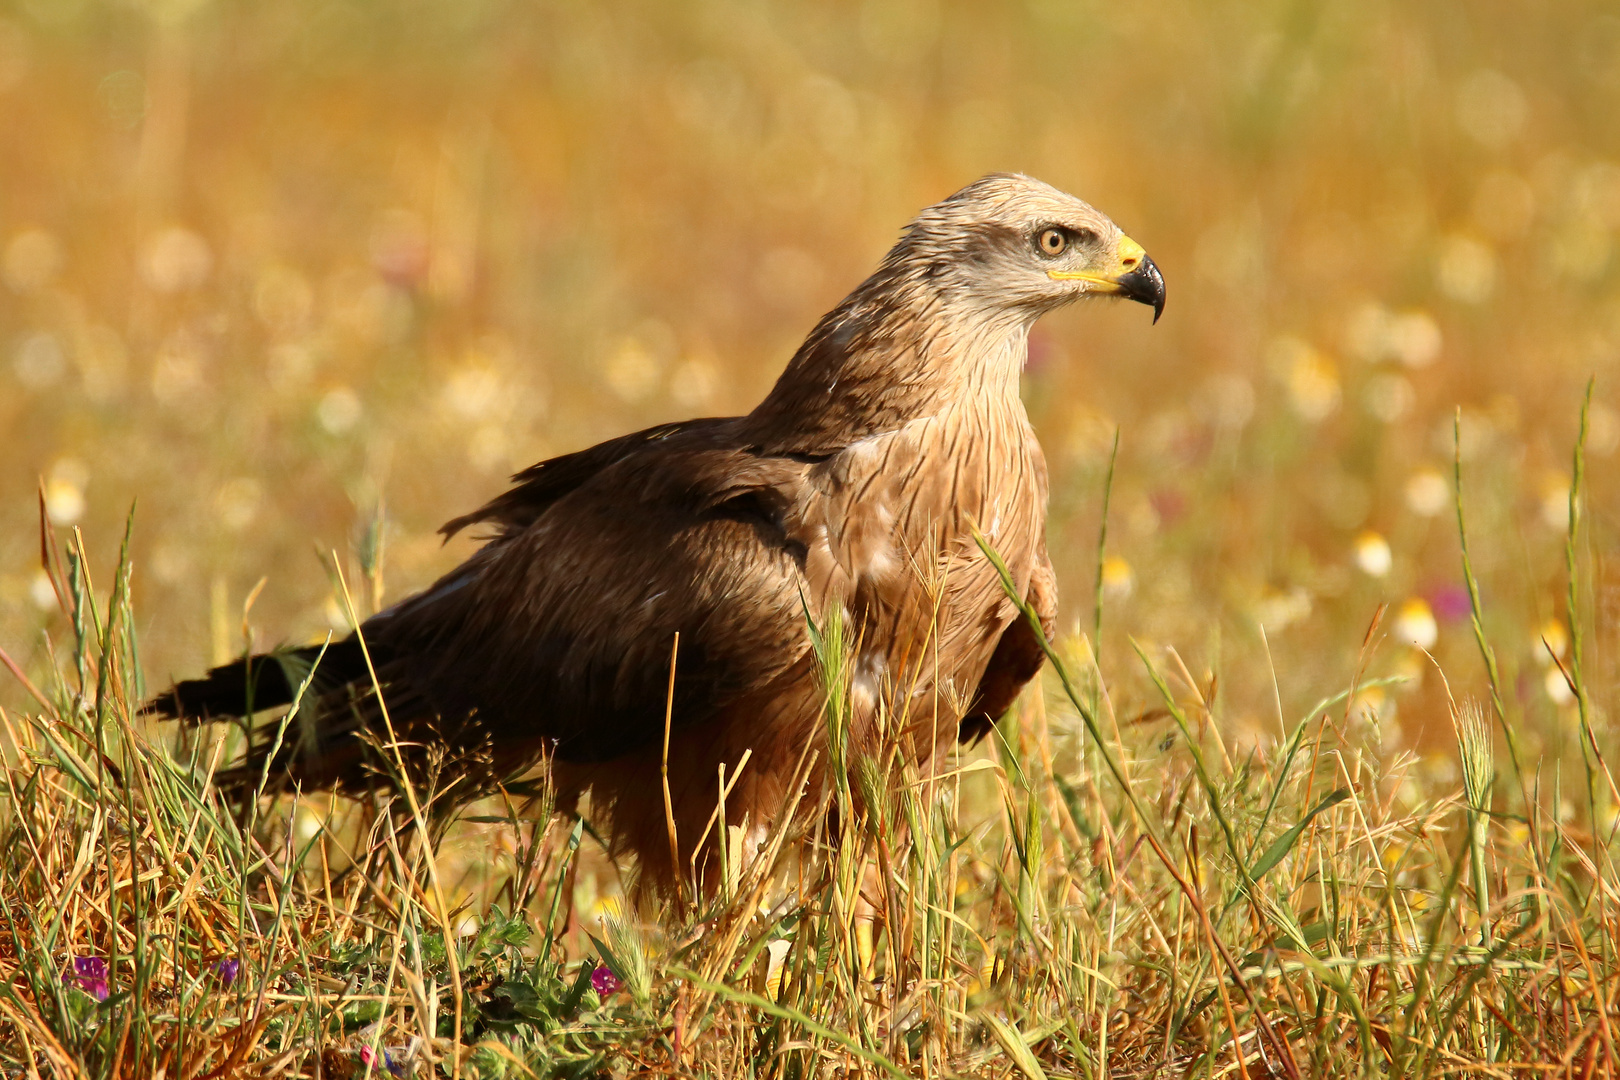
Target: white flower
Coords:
[[1557, 687], [1466, 269], [1278, 610], [175, 259], [41, 592], [339, 410], [64, 491], [1414, 338], [1427, 492], [1415, 624], [1555, 500], [1373, 554]]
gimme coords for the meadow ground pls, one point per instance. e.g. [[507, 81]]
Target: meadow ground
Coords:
[[1087, 896]]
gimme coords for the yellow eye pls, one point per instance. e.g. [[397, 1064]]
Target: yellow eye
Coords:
[[1052, 242]]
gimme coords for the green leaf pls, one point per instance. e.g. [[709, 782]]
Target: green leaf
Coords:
[[1012, 1041], [613, 962], [1280, 847], [1071, 799], [576, 993]]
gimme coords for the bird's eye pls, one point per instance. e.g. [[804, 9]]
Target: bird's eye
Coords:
[[1052, 242]]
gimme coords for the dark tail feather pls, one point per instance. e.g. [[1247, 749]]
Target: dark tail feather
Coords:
[[320, 745], [267, 681], [328, 740]]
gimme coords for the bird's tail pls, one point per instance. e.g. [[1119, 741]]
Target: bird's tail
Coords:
[[321, 744], [259, 683]]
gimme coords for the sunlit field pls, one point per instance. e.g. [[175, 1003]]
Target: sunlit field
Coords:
[[285, 287]]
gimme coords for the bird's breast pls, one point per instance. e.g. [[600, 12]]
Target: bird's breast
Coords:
[[890, 523]]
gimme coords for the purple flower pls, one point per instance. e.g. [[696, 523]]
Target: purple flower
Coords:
[[1450, 602], [88, 973], [228, 970], [385, 1060], [604, 982], [1169, 504]]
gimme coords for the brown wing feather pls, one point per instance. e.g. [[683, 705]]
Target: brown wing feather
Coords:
[[541, 485], [559, 635]]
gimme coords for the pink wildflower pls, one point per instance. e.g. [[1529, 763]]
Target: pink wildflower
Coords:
[[604, 982], [88, 973]]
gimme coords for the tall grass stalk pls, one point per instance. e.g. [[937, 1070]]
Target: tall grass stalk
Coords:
[[1478, 773]]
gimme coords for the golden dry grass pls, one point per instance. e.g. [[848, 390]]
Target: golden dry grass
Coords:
[[1083, 899]]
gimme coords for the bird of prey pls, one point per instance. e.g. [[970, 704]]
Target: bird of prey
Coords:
[[894, 437]]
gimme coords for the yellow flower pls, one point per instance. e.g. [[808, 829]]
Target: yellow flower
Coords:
[[1313, 383], [1552, 640], [1117, 577]]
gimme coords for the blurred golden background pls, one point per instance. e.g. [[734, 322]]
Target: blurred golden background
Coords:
[[276, 272]]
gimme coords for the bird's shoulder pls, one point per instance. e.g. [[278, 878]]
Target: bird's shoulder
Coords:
[[563, 623]]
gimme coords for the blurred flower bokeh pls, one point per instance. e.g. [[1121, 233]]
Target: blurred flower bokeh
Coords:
[[279, 272]]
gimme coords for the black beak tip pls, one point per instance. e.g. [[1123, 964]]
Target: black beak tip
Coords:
[[1145, 285]]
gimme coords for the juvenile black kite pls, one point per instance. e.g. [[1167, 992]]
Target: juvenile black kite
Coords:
[[894, 433]]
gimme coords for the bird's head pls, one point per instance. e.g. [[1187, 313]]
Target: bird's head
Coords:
[[1009, 243]]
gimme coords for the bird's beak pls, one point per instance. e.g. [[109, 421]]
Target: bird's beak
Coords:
[[1137, 278]]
